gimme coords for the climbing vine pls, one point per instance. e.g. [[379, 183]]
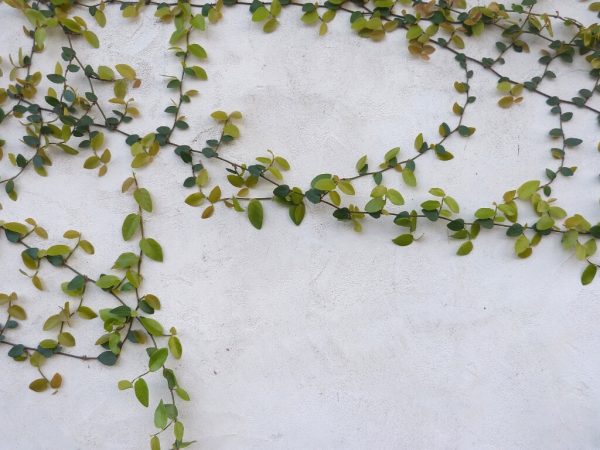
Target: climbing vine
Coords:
[[55, 116]]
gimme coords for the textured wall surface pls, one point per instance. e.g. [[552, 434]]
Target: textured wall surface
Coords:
[[316, 337]]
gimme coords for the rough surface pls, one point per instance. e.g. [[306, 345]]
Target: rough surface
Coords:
[[314, 337]]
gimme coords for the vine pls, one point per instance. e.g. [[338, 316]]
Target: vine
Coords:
[[69, 120]]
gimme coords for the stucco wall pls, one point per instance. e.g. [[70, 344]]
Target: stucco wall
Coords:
[[315, 337]]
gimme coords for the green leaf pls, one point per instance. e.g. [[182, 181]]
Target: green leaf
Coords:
[[71, 25], [516, 229], [48, 344], [91, 38], [178, 431], [66, 339], [391, 154], [409, 177], [231, 130], [430, 205], [588, 274], [324, 184], [15, 227], [595, 231], [87, 247], [124, 384], [195, 199], [37, 359], [297, 213], [16, 351], [220, 116], [208, 212], [39, 385], [175, 347], [108, 281], [270, 25], [92, 162], [527, 189], [197, 50], [105, 73], [437, 192], [141, 391], [521, 244], [414, 32], [214, 195], [155, 441], [130, 226], [100, 18], [152, 326], [452, 204], [419, 142], [346, 187], [379, 191], [151, 249], [361, 164], [142, 197], [52, 322], [485, 213], [375, 205], [403, 240], [282, 163], [310, 18], [573, 142], [456, 225], [395, 197], [126, 260], [107, 358], [58, 250], [255, 214], [260, 14], [86, 313], [198, 22], [199, 73], [506, 101], [126, 71], [120, 90], [17, 312], [545, 223], [182, 393], [465, 248], [157, 359], [160, 416]]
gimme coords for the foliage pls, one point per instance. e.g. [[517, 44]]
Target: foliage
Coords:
[[73, 121]]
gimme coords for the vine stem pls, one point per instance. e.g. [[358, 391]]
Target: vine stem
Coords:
[[69, 355]]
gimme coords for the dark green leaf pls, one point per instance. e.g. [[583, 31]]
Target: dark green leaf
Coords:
[[107, 358]]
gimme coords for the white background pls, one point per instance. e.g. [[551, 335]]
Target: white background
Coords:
[[315, 337]]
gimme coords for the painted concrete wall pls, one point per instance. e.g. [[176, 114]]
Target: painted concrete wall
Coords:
[[315, 337]]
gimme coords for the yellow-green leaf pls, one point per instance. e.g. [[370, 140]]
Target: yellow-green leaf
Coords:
[[141, 391], [465, 248], [527, 189], [126, 71], [255, 214], [91, 37], [151, 249], [39, 385]]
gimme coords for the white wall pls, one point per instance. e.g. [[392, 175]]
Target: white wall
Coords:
[[315, 337]]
